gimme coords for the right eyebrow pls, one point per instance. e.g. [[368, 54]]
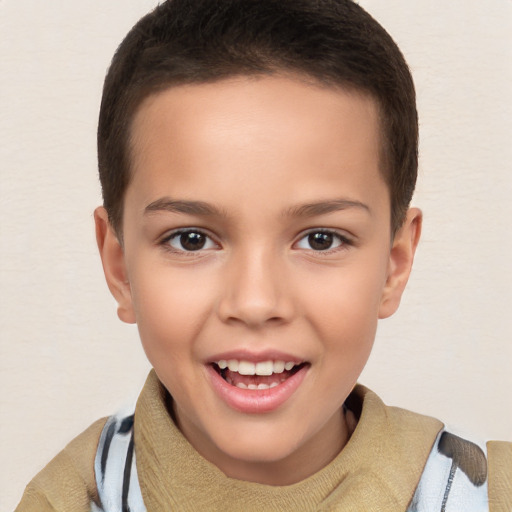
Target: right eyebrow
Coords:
[[167, 204]]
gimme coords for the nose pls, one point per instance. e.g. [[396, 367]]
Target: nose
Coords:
[[255, 290]]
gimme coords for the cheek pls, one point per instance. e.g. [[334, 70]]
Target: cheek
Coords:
[[344, 306], [170, 310], [345, 296]]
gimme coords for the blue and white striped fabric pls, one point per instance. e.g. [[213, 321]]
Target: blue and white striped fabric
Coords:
[[454, 478], [115, 468]]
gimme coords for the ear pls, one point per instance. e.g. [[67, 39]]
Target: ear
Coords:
[[400, 262], [114, 267]]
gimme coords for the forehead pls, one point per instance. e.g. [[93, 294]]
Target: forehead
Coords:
[[252, 135]]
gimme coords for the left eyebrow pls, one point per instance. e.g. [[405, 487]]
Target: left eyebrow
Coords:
[[324, 207]]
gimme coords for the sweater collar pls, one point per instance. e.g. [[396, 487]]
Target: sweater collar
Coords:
[[380, 465]]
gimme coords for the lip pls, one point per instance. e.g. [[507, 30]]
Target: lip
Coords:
[[255, 357], [255, 401]]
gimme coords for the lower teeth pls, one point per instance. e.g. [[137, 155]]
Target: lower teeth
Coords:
[[241, 385], [252, 386]]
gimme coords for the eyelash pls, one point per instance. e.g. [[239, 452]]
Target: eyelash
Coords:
[[165, 242], [343, 241]]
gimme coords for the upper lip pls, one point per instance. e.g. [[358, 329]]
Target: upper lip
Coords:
[[256, 357]]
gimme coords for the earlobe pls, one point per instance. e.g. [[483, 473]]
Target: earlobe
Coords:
[[400, 262], [114, 267]]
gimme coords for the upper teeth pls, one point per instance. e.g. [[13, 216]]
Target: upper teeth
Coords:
[[249, 368]]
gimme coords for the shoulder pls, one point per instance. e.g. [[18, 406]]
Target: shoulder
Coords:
[[402, 425], [465, 475], [67, 483], [500, 476], [431, 453]]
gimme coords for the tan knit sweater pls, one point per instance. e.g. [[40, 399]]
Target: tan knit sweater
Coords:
[[378, 469]]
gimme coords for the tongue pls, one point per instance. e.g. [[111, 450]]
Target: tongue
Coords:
[[235, 378]]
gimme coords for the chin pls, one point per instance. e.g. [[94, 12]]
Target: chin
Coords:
[[258, 446]]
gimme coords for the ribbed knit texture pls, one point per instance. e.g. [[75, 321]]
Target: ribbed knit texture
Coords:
[[500, 476], [67, 483]]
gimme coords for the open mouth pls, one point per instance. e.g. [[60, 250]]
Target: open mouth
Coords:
[[256, 376]]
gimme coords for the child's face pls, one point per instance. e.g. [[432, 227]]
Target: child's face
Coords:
[[257, 229]]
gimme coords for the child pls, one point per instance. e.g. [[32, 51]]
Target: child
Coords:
[[257, 160]]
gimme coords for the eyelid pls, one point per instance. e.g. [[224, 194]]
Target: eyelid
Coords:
[[165, 239], [345, 239]]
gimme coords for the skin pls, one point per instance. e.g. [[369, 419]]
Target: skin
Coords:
[[259, 152]]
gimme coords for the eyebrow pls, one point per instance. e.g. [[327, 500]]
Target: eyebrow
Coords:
[[181, 206], [324, 207], [202, 208]]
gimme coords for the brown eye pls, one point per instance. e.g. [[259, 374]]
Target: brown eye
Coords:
[[189, 241], [320, 241], [192, 241]]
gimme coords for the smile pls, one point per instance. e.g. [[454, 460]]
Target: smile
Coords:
[[256, 386], [255, 376]]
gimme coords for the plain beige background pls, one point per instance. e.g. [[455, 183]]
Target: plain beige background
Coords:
[[66, 360]]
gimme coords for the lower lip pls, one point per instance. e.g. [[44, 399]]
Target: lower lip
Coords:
[[256, 401]]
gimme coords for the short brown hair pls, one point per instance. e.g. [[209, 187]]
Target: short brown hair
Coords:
[[335, 42]]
